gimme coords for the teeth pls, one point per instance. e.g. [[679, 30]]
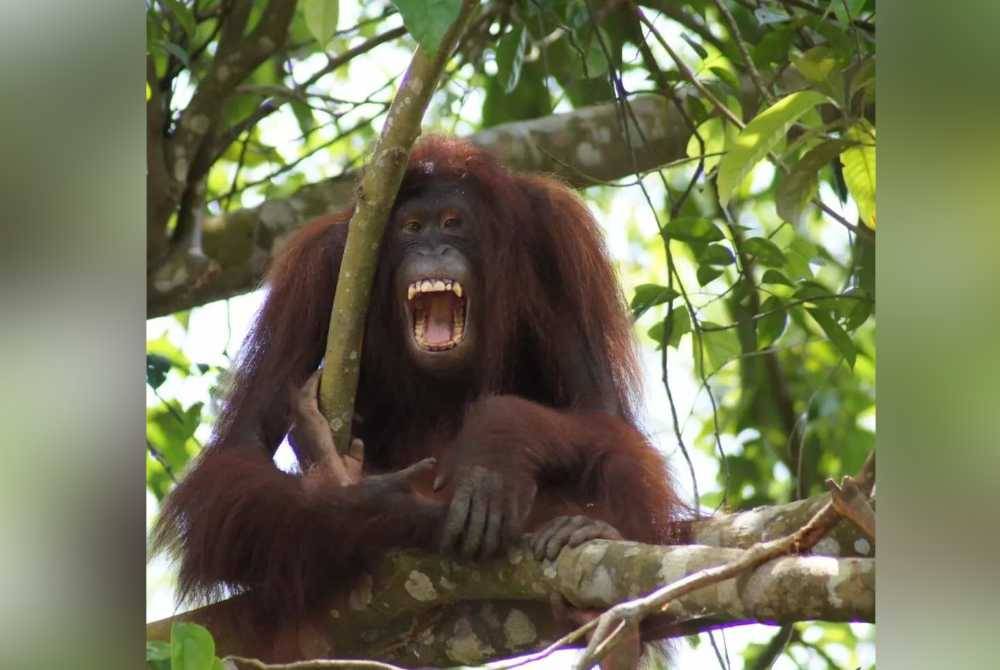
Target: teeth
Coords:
[[433, 285]]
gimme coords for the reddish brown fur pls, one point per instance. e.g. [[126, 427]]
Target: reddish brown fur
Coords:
[[552, 397]]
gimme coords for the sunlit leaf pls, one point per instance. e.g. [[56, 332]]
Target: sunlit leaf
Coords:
[[191, 647], [760, 136], [859, 169], [816, 64], [321, 18]]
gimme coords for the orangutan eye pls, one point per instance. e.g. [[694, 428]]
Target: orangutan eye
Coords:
[[451, 222], [412, 226]]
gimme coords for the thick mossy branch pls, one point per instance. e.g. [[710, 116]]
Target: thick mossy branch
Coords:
[[424, 610]]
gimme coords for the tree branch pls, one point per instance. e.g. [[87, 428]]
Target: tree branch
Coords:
[[424, 610], [583, 147], [237, 56], [419, 609], [666, 598], [377, 188]]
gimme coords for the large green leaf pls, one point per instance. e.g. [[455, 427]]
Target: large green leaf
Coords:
[[428, 20], [859, 169], [761, 135]]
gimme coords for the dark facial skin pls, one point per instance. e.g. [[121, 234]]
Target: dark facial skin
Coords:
[[433, 242]]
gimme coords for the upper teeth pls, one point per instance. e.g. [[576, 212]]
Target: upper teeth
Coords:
[[432, 286]]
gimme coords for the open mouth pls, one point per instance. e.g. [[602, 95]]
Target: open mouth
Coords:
[[437, 309]]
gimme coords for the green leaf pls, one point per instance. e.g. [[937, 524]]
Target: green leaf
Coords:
[[191, 647], [166, 349], [698, 49], [717, 134], [706, 273], [812, 290], [671, 328], [183, 318], [170, 429], [648, 296], [798, 187], [859, 169], [321, 18], [177, 51], [693, 229], [860, 311], [716, 254], [837, 335], [157, 367], [428, 20], [773, 46], [772, 324], [183, 15], [816, 64], [510, 57], [157, 650], [760, 136], [595, 62], [304, 115], [718, 347], [530, 99], [775, 277], [765, 251], [800, 253]]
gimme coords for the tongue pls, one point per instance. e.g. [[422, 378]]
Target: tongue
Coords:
[[439, 321]]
